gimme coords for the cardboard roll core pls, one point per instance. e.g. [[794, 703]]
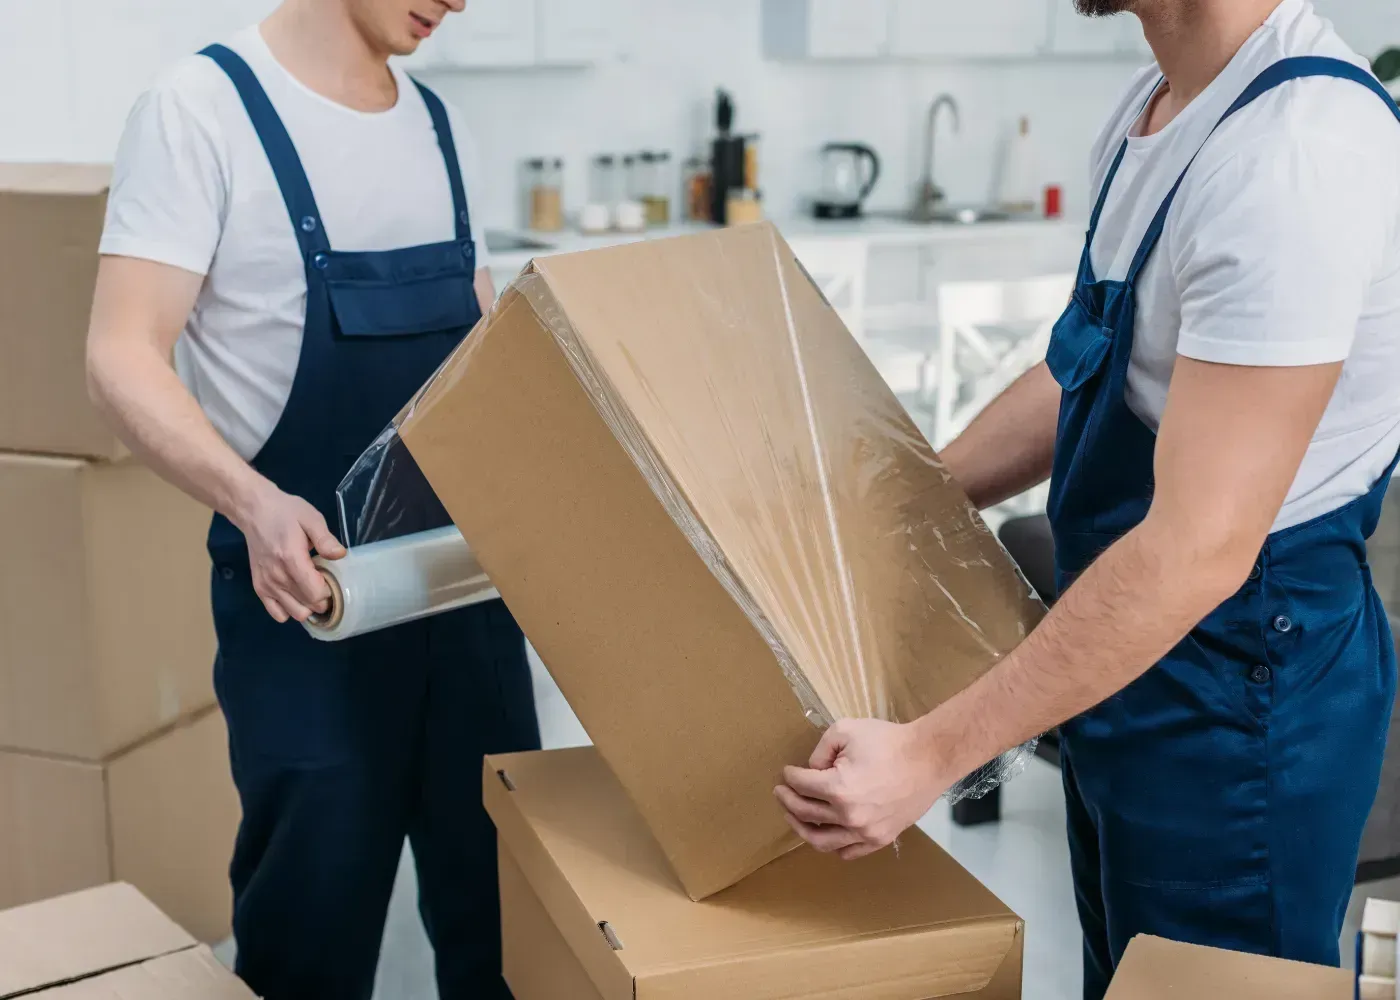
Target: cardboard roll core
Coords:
[[333, 615]]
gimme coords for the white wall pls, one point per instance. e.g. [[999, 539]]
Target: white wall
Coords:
[[69, 70]]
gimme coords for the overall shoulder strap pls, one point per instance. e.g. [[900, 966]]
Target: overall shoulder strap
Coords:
[[443, 127], [1118, 162], [277, 144], [1281, 72]]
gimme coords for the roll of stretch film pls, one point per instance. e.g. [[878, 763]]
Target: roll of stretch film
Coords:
[[399, 580]]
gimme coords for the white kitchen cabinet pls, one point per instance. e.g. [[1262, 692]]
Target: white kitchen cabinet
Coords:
[[958, 29], [488, 34], [37, 122], [1073, 34], [574, 32], [826, 29], [518, 34]]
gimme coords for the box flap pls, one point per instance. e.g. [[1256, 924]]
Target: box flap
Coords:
[[187, 975], [804, 924], [1156, 969], [82, 934], [55, 178]]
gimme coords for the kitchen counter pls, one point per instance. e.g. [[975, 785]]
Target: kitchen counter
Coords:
[[876, 229]]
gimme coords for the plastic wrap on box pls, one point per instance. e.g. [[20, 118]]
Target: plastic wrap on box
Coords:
[[755, 427]]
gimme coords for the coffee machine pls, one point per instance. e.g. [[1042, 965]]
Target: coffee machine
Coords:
[[733, 164]]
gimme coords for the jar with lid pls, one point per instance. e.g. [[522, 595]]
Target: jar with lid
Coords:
[[544, 184], [696, 190], [603, 182], [632, 179], [656, 188], [629, 213], [597, 215]]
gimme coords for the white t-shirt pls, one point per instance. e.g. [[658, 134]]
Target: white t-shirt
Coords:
[[1282, 247], [193, 188]]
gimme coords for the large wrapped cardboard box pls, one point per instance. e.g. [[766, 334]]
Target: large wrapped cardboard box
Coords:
[[106, 635], [1156, 969], [162, 816], [50, 227], [714, 521], [591, 910], [106, 943]]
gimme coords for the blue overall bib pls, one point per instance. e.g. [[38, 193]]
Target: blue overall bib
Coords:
[[1220, 797], [341, 750]]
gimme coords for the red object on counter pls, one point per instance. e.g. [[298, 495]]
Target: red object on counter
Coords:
[[1052, 201]]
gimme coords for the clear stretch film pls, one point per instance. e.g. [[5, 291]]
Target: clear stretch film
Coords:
[[398, 580]]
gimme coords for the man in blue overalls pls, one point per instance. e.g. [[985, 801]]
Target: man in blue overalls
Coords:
[[289, 217], [1219, 420]]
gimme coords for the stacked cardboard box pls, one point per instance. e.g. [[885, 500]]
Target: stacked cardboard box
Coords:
[[112, 758], [717, 526], [107, 943], [591, 910]]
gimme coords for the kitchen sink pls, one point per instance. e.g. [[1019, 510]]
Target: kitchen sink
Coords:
[[961, 215], [497, 242]]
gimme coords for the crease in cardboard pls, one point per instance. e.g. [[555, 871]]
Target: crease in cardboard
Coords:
[[155, 736], [56, 984]]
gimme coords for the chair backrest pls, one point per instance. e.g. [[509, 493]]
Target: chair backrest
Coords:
[[1025, 309], [838, 266], [1001, 303]]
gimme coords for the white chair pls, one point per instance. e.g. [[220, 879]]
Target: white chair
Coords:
[[839, 267], [989, 334]]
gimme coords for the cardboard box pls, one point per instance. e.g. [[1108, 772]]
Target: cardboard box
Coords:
[[792, 530], [162, 816], [1155, 969], [106, 634], [591, 910], [106, 943], [51, 219]]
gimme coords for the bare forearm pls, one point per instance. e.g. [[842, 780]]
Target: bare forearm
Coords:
[[143, 399], [139, 309], [1009, 447], [1124, 614]]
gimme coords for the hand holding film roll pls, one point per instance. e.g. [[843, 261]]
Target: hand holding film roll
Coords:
[[398, 580]]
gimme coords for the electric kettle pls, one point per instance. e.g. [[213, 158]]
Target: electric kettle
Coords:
[[849, 173]]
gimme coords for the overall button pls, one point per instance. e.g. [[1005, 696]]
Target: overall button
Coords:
[[227, 573], [1283, 624], [321, 261], [1260, 674], [308, 224], [466, 249], [1255, 572]]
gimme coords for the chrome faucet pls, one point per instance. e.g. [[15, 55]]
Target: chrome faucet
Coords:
[[930, 194]]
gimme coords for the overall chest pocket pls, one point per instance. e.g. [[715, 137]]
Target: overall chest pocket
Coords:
[[399, 293], [1082, 336]]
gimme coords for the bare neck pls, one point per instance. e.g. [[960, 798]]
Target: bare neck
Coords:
[[1194, 40], [319, 43]]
